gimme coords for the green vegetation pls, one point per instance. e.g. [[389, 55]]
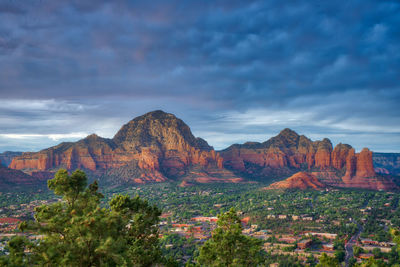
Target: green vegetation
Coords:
[[228, 246], [78, 232], [83, 227], [326, 261]]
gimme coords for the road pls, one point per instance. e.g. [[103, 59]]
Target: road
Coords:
[[349, 246]]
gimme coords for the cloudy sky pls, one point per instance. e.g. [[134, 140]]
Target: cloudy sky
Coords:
[[233, 70]]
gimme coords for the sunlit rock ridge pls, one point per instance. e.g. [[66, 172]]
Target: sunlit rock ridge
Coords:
[[158, 146]]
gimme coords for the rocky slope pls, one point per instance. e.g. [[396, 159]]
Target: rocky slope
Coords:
[[154, 147], [300, 180], [288, 153], [387, 163]]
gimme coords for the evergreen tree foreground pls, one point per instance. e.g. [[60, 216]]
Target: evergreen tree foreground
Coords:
[[78, 232]]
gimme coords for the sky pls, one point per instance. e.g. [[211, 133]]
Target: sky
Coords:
[[234, 71]]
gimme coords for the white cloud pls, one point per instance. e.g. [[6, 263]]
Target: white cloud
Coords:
[[54, 137], [29, 105]]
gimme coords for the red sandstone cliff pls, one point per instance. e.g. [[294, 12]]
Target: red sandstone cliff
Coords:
[[158, 146], [152, 147], [289, 152]]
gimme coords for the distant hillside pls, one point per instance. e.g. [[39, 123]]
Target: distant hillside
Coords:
[[7, 157], [387, 163]]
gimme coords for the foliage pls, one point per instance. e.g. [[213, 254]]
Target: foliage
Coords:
[[78, 232], [176, 247], [228, 246], [340, 255], [17, 255], [357, 251], [326, 261]]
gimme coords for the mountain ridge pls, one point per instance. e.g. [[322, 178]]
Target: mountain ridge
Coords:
[[158, 146]]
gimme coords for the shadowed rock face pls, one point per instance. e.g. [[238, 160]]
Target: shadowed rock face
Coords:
[[289, 152], [152, 147]]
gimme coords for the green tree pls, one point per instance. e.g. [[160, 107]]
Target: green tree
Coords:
[[377, 253], [357, 251], [396, 239], [228, 246], [17, 256], [371, 262], [340, 255], [78, 232], [326, 261]]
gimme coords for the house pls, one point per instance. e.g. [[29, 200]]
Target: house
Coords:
[[367, 241], [383, 249], [303, 244], [327, 247], [365, 255], [204, 219], [289, 240], [245, 220], [324, 235], [9, 221]]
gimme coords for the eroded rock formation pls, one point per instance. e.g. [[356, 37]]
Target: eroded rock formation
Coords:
[[158, 147], [289, 152], [153, 147]]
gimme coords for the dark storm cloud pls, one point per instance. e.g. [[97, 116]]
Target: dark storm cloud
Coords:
[[324, 68]]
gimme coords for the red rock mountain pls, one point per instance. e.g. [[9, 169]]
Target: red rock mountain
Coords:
[[158, 146], [288, 153], [300, 180], [154, 147]]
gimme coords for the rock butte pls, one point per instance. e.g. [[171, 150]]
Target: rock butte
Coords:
[[300, 180], [288, 153], [158, 147]]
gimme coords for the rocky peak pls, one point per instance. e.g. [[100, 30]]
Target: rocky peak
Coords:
[[325, 144], [287, 138], [158, 129], [94, 141]]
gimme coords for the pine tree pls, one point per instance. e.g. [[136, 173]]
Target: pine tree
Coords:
[[78, 232]]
